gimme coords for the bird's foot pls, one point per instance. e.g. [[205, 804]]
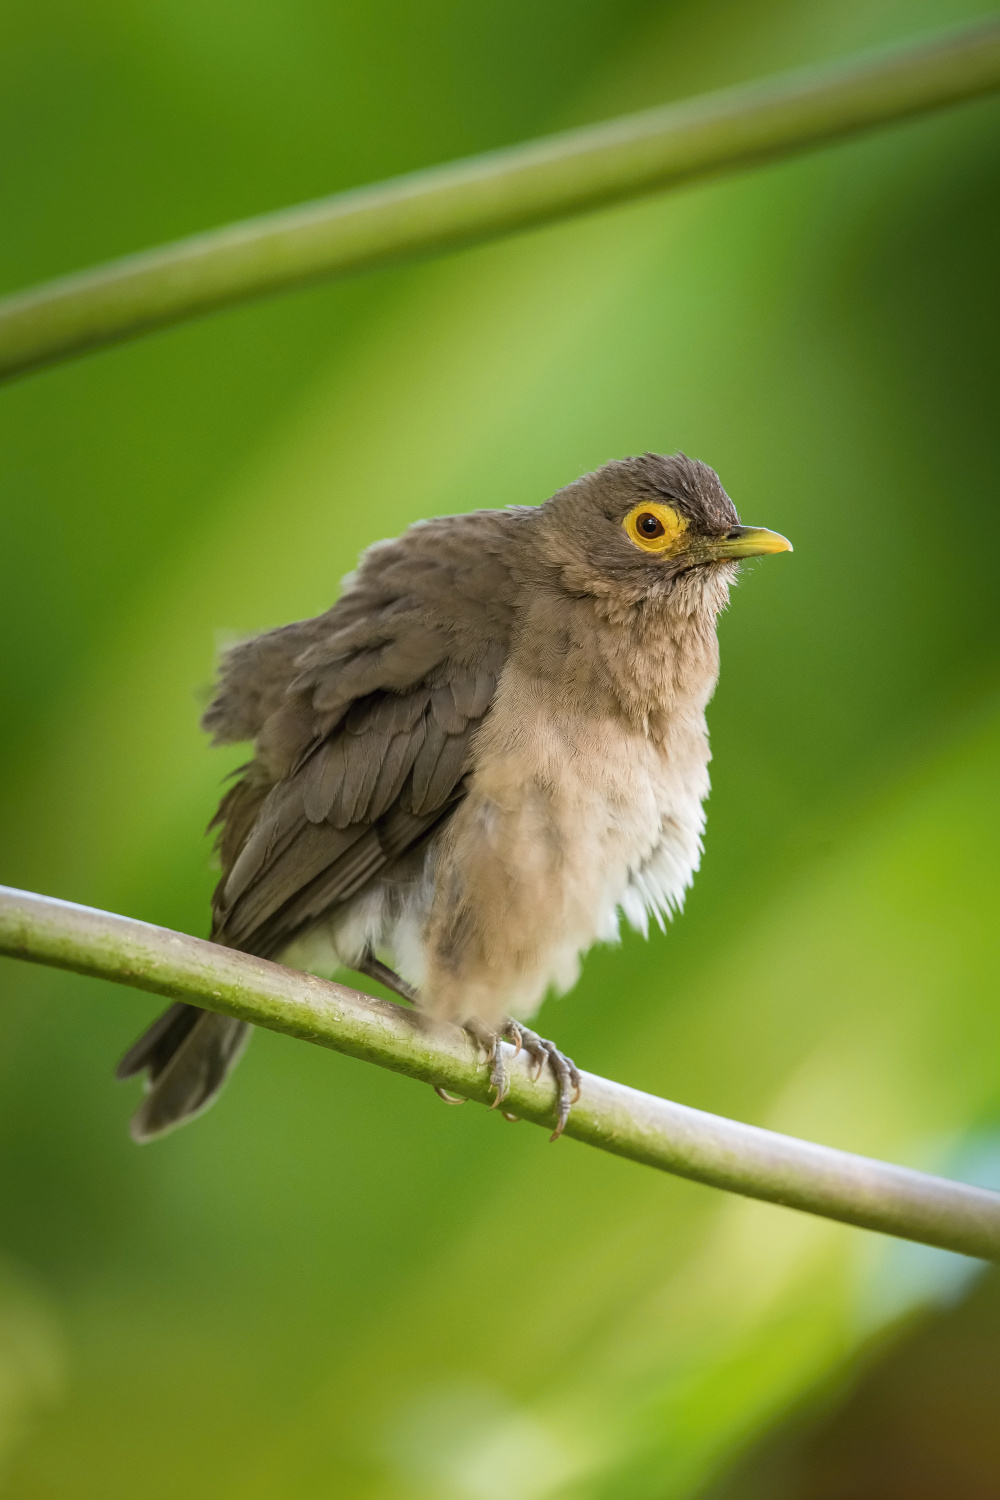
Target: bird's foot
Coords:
[[541, 1051], [564, 1069], [484, 1036]]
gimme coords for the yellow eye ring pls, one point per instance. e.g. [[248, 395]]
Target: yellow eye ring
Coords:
[[654, 527]]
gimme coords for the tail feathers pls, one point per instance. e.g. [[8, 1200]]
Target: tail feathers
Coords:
[[156, 1047], [188, 1054]]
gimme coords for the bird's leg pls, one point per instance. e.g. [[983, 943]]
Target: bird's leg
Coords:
[[376, 969], [564, 1069]]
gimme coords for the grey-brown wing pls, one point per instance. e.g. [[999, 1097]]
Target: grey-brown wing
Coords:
[[365, 795], [363, 721], [364, 753], [442, 593]]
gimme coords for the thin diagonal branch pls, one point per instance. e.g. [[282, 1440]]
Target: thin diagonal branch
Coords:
[[709, 1149], [483, 197]]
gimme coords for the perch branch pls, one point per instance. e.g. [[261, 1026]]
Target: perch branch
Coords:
[[722, 1153], [480, 198]]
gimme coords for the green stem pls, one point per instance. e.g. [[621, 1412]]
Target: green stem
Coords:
[[722, 1153], [487, 196]]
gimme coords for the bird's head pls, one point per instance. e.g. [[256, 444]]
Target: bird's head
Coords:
[[638, 524]]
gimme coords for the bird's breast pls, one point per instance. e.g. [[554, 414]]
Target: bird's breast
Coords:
[[591, 797]]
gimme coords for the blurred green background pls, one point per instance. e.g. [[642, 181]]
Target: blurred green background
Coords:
[[332, 1285]]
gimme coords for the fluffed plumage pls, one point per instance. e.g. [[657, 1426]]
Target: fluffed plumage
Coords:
[[490, 747]]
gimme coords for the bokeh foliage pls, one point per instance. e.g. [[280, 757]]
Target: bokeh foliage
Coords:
[[332, 1284]]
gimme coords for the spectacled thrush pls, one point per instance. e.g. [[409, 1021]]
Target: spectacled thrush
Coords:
[[487, 751]]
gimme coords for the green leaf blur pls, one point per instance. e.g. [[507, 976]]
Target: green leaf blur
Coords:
[[332, 1284]]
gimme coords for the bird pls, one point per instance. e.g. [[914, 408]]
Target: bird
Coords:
[[489, 752]]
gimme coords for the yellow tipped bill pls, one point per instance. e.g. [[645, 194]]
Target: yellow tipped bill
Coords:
[[749, 541]]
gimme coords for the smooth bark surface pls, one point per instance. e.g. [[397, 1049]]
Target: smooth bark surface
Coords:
[[719, 1152], [483, 197]]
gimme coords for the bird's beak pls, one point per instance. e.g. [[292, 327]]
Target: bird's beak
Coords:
[[748, 541]]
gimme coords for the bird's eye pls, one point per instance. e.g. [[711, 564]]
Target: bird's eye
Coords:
[[655, 527]]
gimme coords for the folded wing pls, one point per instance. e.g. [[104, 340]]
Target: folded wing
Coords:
[[363, 722]]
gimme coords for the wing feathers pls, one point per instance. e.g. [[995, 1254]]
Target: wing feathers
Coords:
[[320, 837], [446, 710], [396, 766], [473, 691], [362, 720], [423, 766], [323, 778], [361, 773], [448, 769], [369, 738], [277, 823], [313, 850]]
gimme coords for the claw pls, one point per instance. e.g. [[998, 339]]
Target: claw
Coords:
[[448, 1098], [542, 1052], [511, 1119], [499, 1077], [493, 1047], [512, 1032], [560, 1067], [564, 1070], [570, 1084]]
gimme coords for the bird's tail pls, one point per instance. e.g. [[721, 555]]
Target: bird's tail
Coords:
[[187, 1055]]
